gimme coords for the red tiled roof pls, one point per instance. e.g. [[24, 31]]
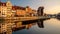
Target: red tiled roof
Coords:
[[13, 7], [17, 7], [2, 4]]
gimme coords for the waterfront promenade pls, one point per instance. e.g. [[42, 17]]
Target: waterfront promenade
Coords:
[[25, 18]]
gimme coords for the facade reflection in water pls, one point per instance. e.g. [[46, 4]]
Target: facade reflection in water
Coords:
[[23, 25], [29, 24]]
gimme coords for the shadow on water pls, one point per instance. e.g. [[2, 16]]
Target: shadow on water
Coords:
[[58, 18], [40, 23], [30, 23], [27, 24]]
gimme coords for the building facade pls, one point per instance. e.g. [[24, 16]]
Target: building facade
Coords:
[[5, 9], [8, 10]]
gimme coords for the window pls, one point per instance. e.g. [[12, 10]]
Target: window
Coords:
[[0, 11], [3, 14], [0, 26]]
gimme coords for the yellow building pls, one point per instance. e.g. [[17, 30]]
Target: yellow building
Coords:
[[30, 12], [7, 10]]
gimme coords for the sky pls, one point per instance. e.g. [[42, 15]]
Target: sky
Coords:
[[50, 6]]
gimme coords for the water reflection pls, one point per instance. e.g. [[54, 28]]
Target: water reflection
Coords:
[[58, 18], [40, 23], [29, 24], [18, 25], [50, 27]]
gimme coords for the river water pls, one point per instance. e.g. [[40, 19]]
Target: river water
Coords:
[[51, 26]]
